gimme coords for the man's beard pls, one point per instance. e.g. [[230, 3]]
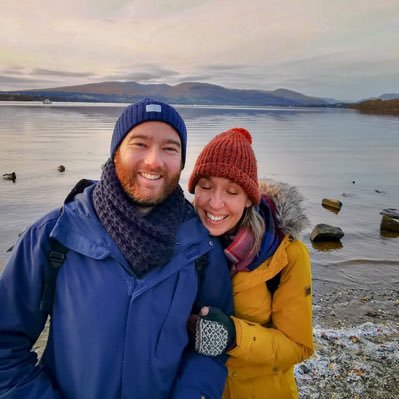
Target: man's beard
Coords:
[[128, 180]]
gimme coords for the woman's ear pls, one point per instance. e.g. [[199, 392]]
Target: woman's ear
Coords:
[[248, 203]]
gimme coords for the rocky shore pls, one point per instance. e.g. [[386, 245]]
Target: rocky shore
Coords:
[[356, 333]]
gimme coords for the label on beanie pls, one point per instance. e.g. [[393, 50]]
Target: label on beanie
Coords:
[[153, 108]]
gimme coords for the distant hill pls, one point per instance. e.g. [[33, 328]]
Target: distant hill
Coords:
[[378, 106], [389, 96], [333, 100], [183, 93]]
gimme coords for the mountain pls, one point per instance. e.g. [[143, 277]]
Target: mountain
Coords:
[[183, 93], [389, 96], [334, 101]]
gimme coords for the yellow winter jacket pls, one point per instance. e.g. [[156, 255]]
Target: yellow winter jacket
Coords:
[[272, 333]]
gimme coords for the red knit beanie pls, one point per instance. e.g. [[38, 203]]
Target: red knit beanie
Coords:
[[229, 155]]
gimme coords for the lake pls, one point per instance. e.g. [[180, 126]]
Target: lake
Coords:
[[327, 153]]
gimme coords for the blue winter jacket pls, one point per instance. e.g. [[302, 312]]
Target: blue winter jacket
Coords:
[[111, 335]]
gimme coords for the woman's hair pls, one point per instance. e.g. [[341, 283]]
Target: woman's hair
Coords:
[[256, 225]]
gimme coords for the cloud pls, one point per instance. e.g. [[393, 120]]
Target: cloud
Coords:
[[313, 46], [142, 73], [48, 72]]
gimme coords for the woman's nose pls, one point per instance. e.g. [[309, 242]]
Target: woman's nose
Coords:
[[216, 201]]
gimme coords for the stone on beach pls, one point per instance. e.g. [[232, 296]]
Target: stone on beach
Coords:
[[391, 212], [389, 223], [61, 168], [325, 232], [10, 176], [390, 220], [332, 203]]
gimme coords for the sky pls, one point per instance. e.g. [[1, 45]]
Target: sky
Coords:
[[342, 49]]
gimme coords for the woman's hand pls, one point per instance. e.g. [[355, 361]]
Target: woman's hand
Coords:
[[212, 331]]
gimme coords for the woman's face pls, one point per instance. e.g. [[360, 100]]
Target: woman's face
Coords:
[[220, 204]]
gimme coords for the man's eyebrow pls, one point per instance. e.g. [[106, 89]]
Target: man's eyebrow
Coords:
[[171, 141], [138, 136]]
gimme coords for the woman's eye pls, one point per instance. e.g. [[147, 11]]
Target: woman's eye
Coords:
[[232, 193]]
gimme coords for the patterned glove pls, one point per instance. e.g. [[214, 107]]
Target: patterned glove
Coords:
[[215, 333]]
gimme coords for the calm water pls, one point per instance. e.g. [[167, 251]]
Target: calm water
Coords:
[[323, 151]]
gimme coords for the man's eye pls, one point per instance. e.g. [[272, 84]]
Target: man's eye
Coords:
[[171, 149], [138, 144]]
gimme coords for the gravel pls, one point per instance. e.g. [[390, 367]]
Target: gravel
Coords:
[[356, 334]]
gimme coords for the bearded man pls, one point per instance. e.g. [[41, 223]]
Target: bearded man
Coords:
[[128, 282]]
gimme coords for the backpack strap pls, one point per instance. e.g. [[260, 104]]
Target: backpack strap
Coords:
[[273, 283], [56, 255], [77, 189], [55, 259]]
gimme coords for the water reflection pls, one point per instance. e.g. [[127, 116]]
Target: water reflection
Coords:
[[330, 208], [326, 246], [389, 234]]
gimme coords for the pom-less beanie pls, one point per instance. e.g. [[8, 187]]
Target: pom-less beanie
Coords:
[[229, 155], [145, 111]]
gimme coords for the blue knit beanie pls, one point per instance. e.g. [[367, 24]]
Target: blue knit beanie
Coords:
[[145, 111]]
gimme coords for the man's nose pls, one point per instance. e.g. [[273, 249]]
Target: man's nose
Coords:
[[154, 158]]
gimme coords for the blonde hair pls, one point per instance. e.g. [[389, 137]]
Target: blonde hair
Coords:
[[256, 225]]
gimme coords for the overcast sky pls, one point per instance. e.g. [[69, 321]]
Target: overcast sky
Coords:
[[345, 49]]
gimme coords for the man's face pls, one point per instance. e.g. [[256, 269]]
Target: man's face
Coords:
[[148, 162]]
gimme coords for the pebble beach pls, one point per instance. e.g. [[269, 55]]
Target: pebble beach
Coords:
[[356, 333]]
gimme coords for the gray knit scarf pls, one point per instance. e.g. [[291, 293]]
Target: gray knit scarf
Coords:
[[145, 241]]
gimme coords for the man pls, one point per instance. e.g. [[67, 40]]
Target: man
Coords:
[[127, 285]]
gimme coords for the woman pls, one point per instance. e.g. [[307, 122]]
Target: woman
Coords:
[[259, 225]]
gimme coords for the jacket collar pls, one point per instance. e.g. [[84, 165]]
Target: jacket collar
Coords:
[[79, 229], [290, 215]]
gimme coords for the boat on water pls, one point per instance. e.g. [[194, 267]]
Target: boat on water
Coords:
[[46, 101]]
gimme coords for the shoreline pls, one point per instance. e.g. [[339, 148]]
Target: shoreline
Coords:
[[356, 332]]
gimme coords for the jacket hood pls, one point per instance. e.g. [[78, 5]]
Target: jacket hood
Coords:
[[290, 214]]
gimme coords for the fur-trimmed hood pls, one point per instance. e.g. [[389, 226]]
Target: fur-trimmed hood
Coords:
[[288, 200]]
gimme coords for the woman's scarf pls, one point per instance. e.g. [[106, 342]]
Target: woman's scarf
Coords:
[[145, 241], [239, 250]]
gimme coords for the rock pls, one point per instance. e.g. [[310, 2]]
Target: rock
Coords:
[[304, 369], [355, 339], [371, 313], [389, 223], [61, 168], [332, 203], [391, 212], [325, 232], [10, 176]]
